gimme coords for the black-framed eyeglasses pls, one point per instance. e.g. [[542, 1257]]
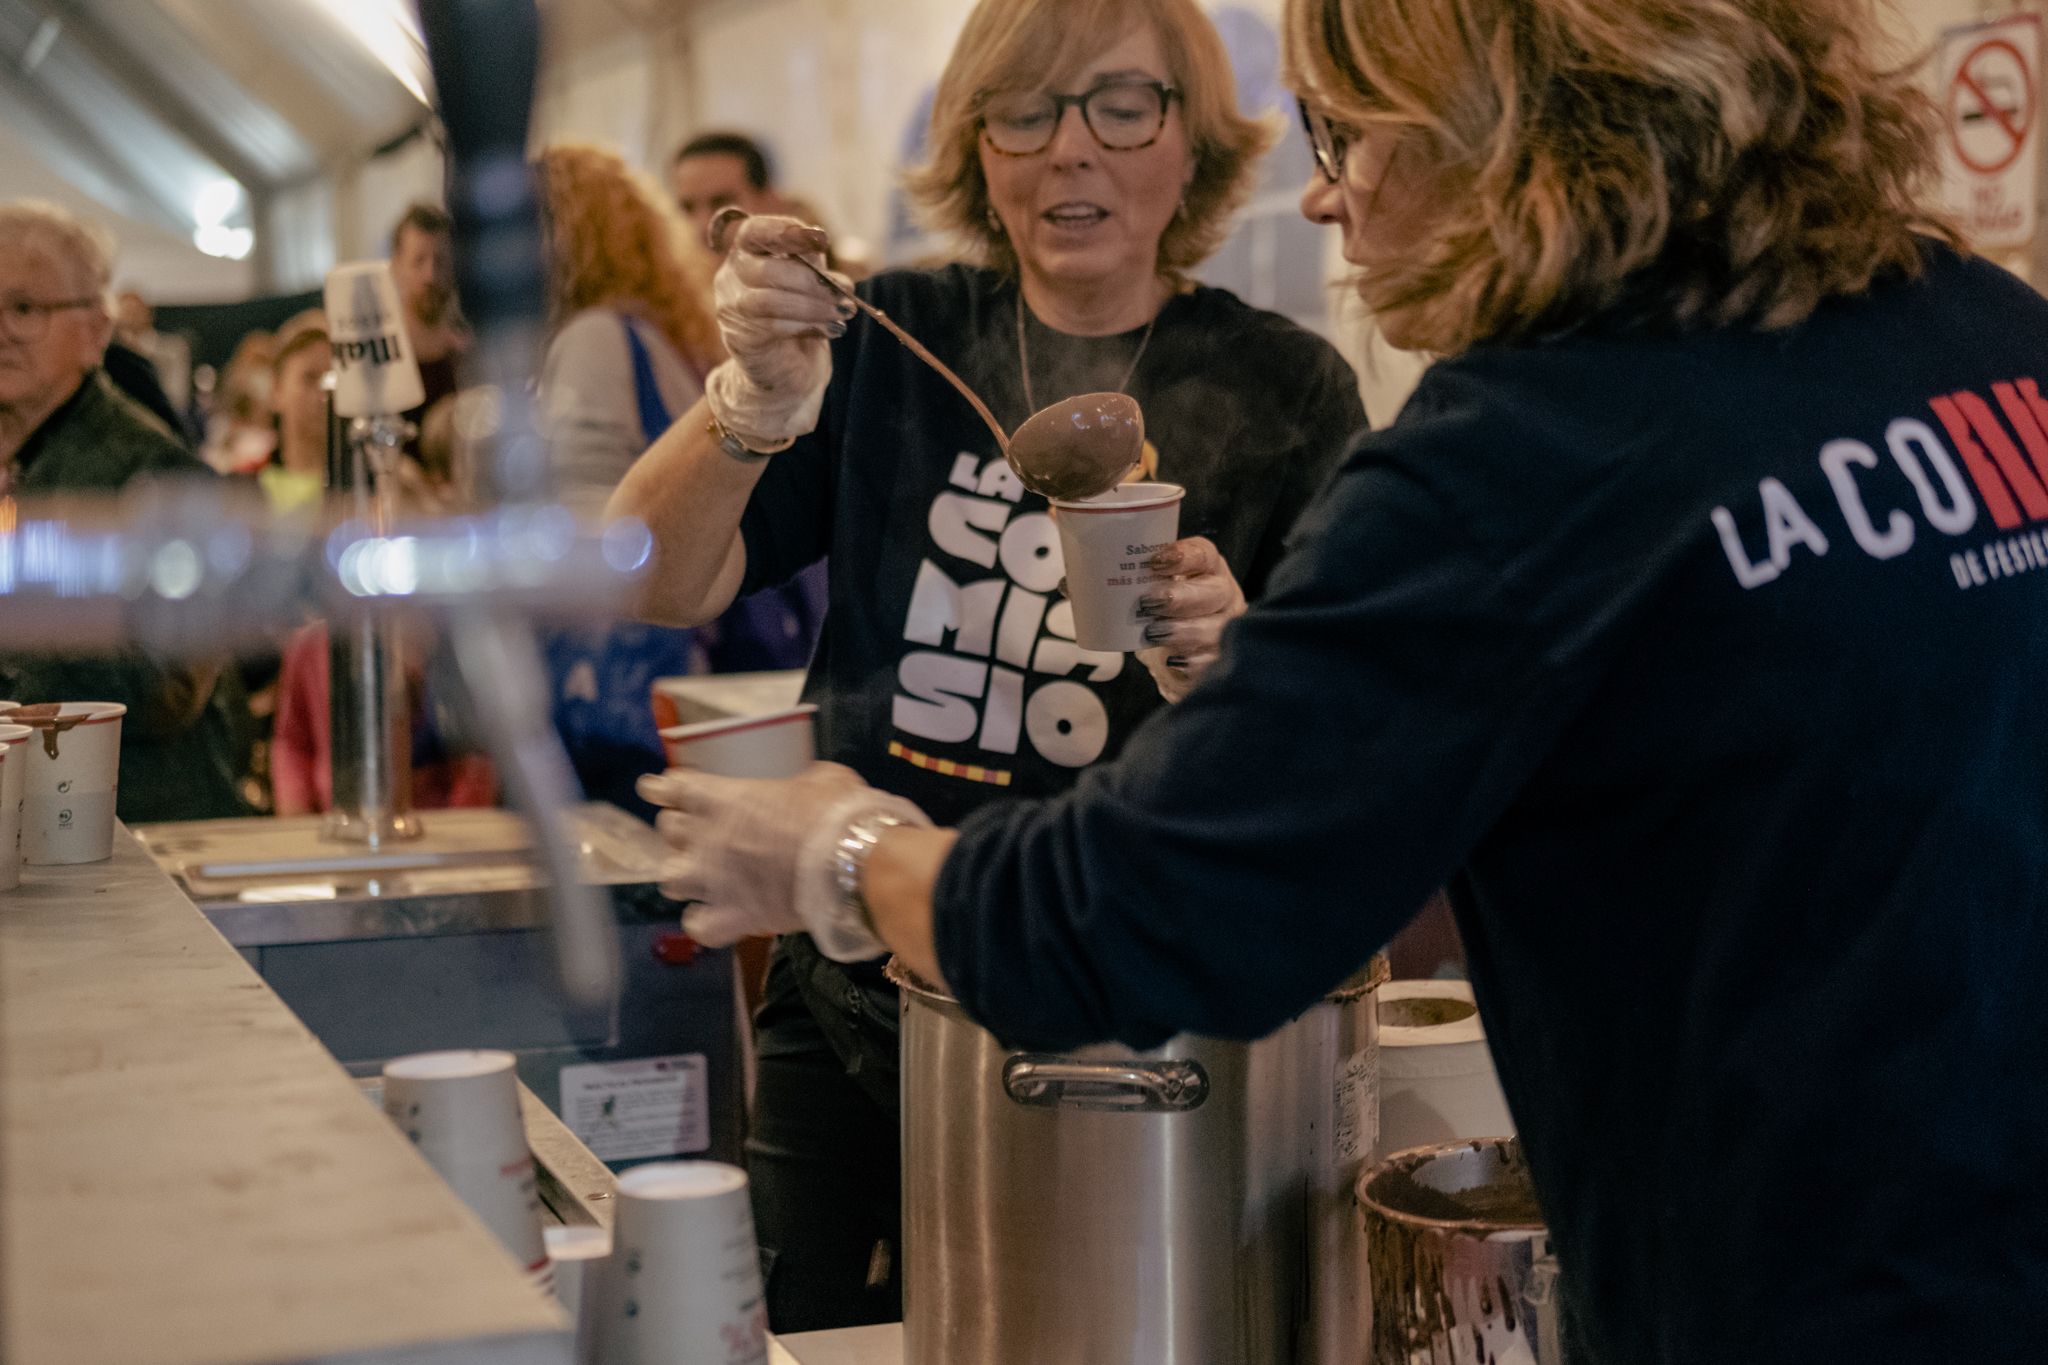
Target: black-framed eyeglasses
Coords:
[[29, 320], [1330, 141], [1122, 116]]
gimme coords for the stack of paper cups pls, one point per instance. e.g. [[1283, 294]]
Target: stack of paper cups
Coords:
[[683, 1283], [14, 740], [461, 1109], [779, 744], [1437, 1082]]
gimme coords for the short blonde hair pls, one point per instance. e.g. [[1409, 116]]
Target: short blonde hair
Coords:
[[1035, 42], [615, 241], [86, 249], [1664, 161]]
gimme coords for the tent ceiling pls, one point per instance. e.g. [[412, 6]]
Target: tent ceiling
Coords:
[[142, 104]]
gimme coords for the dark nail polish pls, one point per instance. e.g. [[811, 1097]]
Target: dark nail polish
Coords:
[[1149, 607], [846, 310], [1177, 661], [835, 330], [1158, 632]]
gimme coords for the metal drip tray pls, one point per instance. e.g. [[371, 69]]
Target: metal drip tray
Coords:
[[277, 881]]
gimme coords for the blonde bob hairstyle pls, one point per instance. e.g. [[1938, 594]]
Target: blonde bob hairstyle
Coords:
[[1034, 44], [1662, 162], [615, 242]]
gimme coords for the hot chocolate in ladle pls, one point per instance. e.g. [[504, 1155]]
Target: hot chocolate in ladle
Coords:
[[1078, 448]]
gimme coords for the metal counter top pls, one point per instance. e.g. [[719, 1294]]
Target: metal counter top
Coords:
[[188, 1178]]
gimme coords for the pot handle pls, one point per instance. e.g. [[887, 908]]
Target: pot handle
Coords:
[[1046, 1082]]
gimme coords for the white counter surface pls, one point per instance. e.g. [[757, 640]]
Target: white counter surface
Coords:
[[854, 1346], [188, 1178]]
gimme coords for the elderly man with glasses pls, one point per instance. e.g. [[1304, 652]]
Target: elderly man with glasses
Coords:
[[64, 428]]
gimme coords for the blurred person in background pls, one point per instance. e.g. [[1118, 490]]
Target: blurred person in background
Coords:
[[168, 353], [717, 171], [296, 477], [241, 429], [423, 269], [1091, 154], [64, 428], [631, 338]]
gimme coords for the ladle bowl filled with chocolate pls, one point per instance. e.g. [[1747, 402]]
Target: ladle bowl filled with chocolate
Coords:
[[1080, 448]]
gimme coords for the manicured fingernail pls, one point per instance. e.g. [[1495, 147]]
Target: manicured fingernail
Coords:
[[835, 330], [1158, 632], [847, 310], [1179, 661], [1150, 606]]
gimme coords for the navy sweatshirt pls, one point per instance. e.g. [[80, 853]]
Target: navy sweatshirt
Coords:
[[1711, 673]]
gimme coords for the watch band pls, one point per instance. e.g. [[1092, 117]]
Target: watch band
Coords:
[[850, 858]]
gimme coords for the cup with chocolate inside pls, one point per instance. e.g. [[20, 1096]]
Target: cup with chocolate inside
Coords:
[[72, 781]]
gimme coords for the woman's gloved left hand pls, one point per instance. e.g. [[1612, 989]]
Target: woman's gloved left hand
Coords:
[[1185, 617], [759, 857]]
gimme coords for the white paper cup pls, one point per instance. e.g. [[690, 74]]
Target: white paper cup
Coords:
[[73, 779], [576, 1252], [1106, 542], [461, 1109], [14, 742], [683, 1283], [777, 745]]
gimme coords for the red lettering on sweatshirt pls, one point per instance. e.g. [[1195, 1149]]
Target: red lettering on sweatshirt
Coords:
[[1969, 420], [2029, 417]]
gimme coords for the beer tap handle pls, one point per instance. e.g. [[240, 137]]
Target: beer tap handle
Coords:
[[485, 56]]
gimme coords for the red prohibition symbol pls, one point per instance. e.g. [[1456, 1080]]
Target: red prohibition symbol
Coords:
[[1987, 77]]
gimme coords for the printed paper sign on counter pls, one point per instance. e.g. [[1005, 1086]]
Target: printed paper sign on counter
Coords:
[[624, 1111], [1991, 142]]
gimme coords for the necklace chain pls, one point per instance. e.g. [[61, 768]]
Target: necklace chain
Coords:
[[1024, 356]]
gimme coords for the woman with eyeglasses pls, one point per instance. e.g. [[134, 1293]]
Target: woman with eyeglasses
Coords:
[[1089, 153], [1690, 621]]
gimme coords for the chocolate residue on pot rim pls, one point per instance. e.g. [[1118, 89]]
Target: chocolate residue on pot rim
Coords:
[[1505, 1199], [1410, 1229]]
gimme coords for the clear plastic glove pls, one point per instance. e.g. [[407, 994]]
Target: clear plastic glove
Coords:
[[1185, 618], [758, 857], [777, 319]]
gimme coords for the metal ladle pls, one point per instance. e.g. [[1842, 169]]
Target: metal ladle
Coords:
[[1078, 448]]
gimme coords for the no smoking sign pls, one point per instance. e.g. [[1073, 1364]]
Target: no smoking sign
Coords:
[[1992, 152]]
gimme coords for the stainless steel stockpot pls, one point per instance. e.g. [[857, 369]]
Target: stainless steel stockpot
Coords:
[[1186, 1205]]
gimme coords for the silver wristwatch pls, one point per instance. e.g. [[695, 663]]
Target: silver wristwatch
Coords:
[[850, 859]]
